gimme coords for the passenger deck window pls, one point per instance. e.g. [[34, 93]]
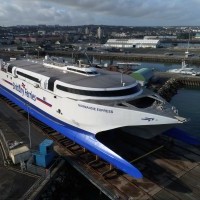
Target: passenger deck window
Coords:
[[10, 68], [28, 76]]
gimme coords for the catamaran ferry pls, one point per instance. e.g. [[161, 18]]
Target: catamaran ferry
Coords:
[[81, 101]]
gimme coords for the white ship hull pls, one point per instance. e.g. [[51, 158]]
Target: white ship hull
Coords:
[[90, 117]]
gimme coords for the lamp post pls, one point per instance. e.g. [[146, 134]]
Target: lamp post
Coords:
[[72, 57], [38, 50], [29, 127], [121, 76]]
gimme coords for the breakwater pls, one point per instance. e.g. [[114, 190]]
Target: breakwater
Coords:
[[167, 84]]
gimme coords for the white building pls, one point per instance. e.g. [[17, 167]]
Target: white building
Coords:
[[115, 34], [132, 43], [87, 31], [99, 33], [41, 32]]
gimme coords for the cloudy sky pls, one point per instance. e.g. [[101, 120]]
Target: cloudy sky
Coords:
[[100, 12]]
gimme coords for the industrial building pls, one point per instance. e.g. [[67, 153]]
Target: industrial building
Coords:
[[132, 43]]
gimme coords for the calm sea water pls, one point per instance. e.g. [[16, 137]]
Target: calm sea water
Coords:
[[187, 101]]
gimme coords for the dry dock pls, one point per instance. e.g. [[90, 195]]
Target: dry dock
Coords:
[[12, 183], [16, 182], [171, 169]]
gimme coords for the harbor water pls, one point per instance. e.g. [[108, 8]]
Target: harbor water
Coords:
[[187, 102]]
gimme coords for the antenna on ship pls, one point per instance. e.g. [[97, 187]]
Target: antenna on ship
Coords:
[[187, 52], [73, 56], [122, 82], [183, 64], [87, 57]]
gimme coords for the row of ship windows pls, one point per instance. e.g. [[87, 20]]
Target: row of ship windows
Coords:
[[28, 76], [114, 93], [23, 74]]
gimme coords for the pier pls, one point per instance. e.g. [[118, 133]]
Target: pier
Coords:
[[171, 168], [139, 55]]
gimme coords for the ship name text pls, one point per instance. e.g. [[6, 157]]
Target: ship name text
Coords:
[[24, 92], [96, 109]]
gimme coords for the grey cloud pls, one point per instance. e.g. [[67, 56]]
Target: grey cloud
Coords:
[[116, 12]]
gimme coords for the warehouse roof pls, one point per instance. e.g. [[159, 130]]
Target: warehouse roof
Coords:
[[133, 41]]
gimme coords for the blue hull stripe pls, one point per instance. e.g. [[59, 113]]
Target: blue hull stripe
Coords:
[[82, 137]]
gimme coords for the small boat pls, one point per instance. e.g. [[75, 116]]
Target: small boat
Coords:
[[185, 70]]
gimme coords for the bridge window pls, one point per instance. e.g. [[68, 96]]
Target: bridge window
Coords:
[[143, 102], [115, 93]]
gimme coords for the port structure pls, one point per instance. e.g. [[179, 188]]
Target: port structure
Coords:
[[168, 166]]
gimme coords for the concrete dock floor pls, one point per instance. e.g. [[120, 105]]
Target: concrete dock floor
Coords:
[[13, 183], [19, 125]]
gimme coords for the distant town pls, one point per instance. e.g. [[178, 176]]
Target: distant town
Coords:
[[35, 39]]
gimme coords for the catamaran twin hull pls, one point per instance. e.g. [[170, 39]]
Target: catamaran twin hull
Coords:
[[82, 137], [78, 120]]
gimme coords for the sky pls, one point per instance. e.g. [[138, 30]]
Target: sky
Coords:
[[100, 12]]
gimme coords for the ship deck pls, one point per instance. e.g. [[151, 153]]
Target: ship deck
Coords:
[[106, 79]]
